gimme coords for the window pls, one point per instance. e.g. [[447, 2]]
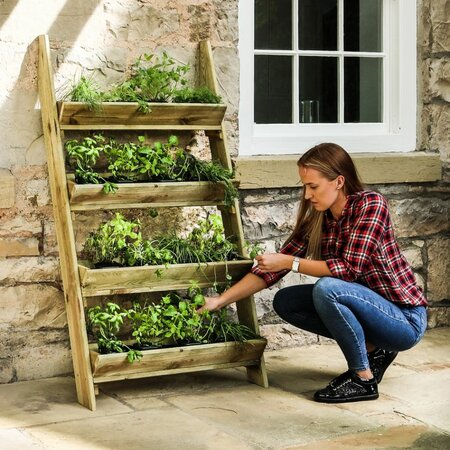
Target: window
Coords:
[[328, 70]]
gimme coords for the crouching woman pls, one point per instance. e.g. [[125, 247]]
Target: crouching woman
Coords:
[[366, 298]]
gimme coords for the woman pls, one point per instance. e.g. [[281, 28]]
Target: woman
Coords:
[[366, 297]]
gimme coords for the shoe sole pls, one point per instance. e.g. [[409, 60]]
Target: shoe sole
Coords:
[[347, 400]]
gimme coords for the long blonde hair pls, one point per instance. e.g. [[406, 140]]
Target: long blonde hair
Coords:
[[331, 160]]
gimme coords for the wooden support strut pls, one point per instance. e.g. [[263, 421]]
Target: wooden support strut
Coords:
[[64, 231]]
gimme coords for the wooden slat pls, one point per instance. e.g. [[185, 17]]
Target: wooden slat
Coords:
[[64, 230], [127, 280], [176, 360], [145, 195], [185, 116]]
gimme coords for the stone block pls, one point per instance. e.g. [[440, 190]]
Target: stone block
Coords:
[[7, 189], [7, 374], [413, 255], [19, 247], [226, 23], [31, 306], [284, 335], [199, 19], [438, 316], [438, 79], [270, 220], [38, 193], [20, 225], [418, 217], [440, 26], [439, 269], [439, 129], [33, 362], [29, 270], [147, 21]]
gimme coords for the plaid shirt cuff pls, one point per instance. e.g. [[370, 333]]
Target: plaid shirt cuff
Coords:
[[269, 277], [339, 270]]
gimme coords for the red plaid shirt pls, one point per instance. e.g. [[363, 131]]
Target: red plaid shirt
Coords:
[[360, 247]]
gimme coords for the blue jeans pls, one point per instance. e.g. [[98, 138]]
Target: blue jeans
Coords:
[[352, 314]]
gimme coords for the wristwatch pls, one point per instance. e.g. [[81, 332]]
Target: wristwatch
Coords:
[[296, 265]]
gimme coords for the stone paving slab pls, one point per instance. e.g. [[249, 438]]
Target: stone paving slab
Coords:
[[50, 400], [270, 418], [161, 428]]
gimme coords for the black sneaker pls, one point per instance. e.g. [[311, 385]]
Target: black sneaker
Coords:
[[348, 387], [379, 361]]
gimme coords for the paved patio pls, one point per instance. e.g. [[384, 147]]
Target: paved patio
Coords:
[[221, 410]]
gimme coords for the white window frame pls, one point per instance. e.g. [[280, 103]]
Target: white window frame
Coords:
[[397, 132]]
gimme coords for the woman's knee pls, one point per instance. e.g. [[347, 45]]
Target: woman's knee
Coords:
[[323, 287], [280, 302]]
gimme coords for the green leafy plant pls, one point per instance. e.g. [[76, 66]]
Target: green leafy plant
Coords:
[[139, 161], [106, 323], [153, 78], [205, 243], [86, 91], [119, 242], [196, 95], [254, 249], [173, 321]]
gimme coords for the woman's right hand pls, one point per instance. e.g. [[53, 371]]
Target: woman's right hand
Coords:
[[211, 304]]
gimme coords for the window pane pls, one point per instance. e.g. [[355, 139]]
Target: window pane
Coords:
[[317, 24], [273, 89], [363, 25], [363, 89], [273, 24], [318, 82]]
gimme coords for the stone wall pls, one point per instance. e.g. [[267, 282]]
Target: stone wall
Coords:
[[103, 37]]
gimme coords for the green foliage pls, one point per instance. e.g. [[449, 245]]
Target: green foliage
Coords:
[[139, 161], [254, 250], [152, 78], [205, 243], [106, 324], [120, 242], [173, 321], [196, 95], [86, 91]]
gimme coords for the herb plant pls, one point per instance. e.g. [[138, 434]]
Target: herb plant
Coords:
[[173, 321], [152, 78], [139, 161], [120, 242]]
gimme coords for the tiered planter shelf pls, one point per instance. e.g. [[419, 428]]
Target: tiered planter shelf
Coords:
[[165, 361], [145, 195], [128, 280], [162, 116], [81, 280]]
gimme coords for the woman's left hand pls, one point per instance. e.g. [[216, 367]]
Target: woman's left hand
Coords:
[[274, 262]]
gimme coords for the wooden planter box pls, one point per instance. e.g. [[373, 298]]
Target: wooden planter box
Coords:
[[167, 361], [120, 115], [128, 280], [139, 195]]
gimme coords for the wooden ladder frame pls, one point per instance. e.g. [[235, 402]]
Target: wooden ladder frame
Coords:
[[84, 380]]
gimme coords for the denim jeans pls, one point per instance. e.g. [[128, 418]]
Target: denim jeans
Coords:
[[352, 314]]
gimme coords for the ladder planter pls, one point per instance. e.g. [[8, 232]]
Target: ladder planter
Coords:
[[81, 280]]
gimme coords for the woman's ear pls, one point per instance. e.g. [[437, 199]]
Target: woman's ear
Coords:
[[340, 181]]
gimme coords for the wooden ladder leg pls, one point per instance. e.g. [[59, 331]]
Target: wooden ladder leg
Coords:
[[64, 230]]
